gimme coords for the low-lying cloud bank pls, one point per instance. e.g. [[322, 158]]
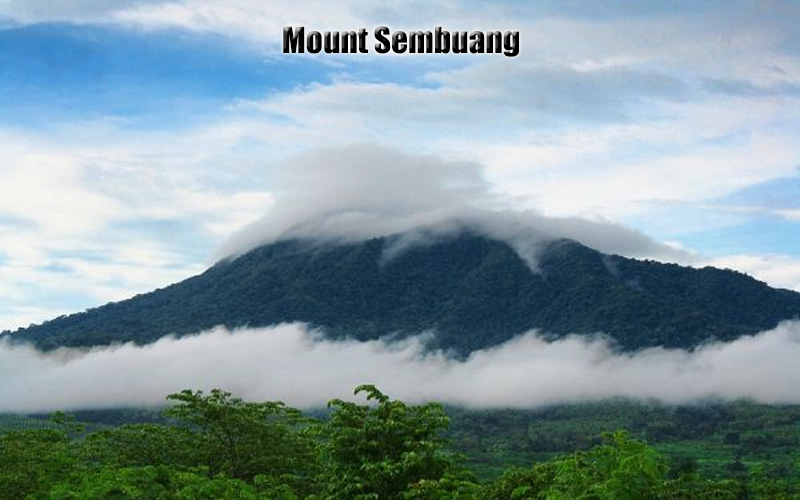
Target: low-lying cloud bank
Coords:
[[291, 364]]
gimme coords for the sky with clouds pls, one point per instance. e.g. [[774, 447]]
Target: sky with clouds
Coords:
[[136, 136]]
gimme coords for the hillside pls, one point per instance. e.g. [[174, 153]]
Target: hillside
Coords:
[[474, 292]]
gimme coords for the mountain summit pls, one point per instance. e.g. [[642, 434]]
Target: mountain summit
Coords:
[[471, 291]]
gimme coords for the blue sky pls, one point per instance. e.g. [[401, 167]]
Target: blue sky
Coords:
[[64, 72], [136, 136]]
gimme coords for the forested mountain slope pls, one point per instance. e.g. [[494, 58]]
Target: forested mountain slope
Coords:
[[471, 290]]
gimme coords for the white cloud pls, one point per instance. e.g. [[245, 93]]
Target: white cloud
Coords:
[[286, 363], [35, 11], [85, 221], [66, 280], [782, 271], [791, 214], [257, 20], [364, 191], [569, 144], [46, 189]]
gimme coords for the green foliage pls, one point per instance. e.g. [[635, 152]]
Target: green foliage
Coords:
[[217, 447], [449, 487], [138, 445], [620, 469], [153, 483], [244, 440], [31, 461], [476, 292], [379, 452], [714, 440], [9, 422]]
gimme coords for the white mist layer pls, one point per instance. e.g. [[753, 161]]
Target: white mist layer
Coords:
[[290, 364], [360, 192]]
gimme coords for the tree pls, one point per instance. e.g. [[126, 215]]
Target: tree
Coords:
[[144, 444], [244, 440], [382, 451], [32, 460], [620, 469], [153, 483]]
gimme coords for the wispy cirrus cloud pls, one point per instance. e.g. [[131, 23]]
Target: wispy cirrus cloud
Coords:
[[85, 224]]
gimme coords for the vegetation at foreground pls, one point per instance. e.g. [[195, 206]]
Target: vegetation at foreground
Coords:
[[218, 447]]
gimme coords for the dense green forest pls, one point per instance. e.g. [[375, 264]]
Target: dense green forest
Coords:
[[217, 447], [474, 292], [716, 439]]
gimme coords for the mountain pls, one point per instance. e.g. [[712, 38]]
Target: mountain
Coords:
[[473, 291]]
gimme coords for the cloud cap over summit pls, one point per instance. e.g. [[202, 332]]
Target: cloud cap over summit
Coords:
[[364, 191]]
